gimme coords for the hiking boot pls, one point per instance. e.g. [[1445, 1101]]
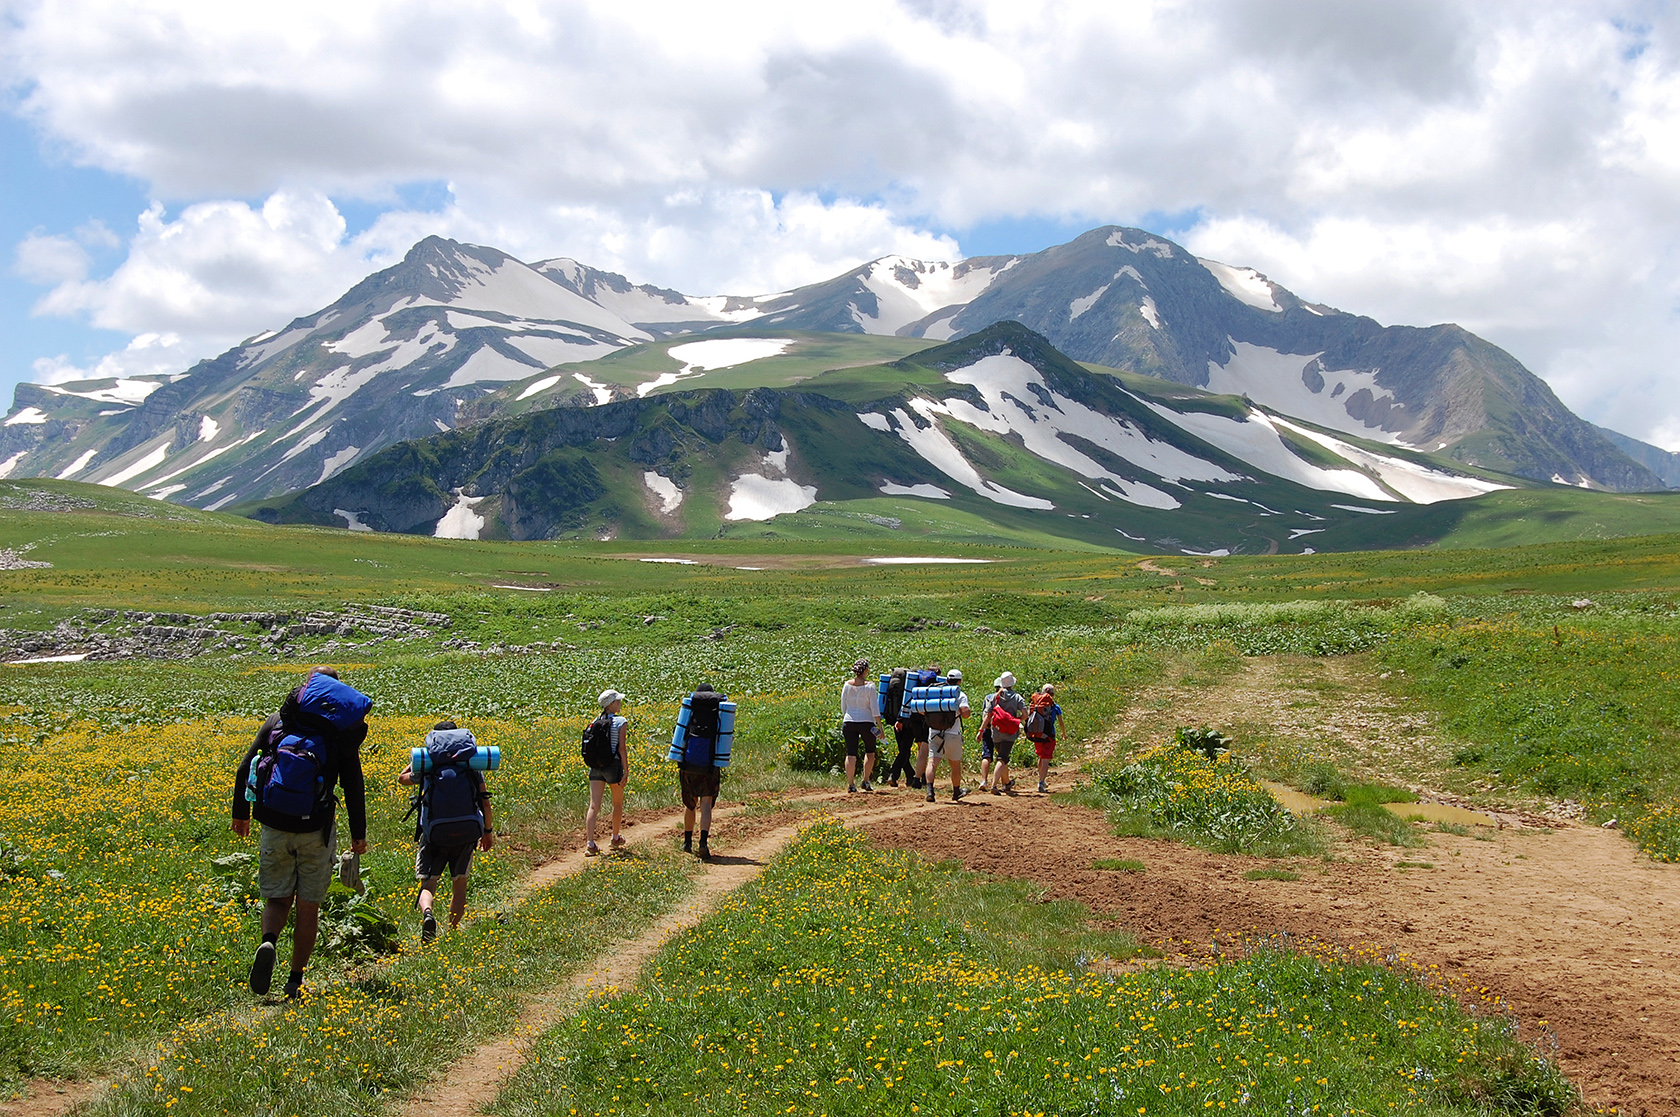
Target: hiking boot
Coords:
[[618, 841], [262, 969], [428, 928], [996, 790], [1043, 788], [591, 850], [851, 789], [893, 782], [294, 987], [705, 850], [867, 786], [930, 793], [688, 843], [957, 793]]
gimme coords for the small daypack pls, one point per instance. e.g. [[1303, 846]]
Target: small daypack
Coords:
[[1004, 723], [448, 800], [940, 719], [289, 776], [895, 693], [597, 742], [700, 739], [1037, 725]]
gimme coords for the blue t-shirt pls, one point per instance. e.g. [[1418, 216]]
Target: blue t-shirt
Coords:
[[1053, 716], [620, 725]]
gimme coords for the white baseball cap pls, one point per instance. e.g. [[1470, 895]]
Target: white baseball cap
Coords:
[[954, 674], [609, 696], [1006, 680]]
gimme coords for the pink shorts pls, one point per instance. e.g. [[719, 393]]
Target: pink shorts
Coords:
[[1045, 749]]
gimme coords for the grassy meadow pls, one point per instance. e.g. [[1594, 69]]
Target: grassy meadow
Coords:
[[126, 907]]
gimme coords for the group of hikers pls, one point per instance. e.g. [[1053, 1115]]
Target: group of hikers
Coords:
[[935, 731], [303, 754]]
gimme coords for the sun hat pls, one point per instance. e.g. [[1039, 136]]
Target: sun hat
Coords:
[[1007, 680], [997, 683], [609, 696]]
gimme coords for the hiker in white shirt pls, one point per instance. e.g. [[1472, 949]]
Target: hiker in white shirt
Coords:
[[861, 723], [947, 743]]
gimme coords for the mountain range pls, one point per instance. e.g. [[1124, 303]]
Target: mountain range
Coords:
[[457, 337]]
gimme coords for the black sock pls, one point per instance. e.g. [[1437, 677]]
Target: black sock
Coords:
[[296, 978], [703, 835], [271, 937]]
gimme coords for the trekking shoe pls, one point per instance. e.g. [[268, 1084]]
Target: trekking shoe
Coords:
[[892, 783], [618, 841], [1043, 788], [591, 850], [294, 987], [262, 969], [428, 928], [867, 786], [957, 793], [851, 789], [705, 850], [930, 793], [996, 790]]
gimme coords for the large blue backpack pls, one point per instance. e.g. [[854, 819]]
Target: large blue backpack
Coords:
[[291, 776], [449, 799]]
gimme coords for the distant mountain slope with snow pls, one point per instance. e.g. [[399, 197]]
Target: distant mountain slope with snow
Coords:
[[456, 334]]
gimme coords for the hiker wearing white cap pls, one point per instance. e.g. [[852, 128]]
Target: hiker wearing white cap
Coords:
[[861, 724], [1002, 722], [606, 751], [945, 741], [984, 734]]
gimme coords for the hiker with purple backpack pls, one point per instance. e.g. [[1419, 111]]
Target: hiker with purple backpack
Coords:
[[453, 804], [286, 783]]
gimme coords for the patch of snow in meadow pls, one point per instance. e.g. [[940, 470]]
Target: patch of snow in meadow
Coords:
[[913, 560], [76, 658], [522, 589], [460, 522], [670, 497], [930, 492], [672, 561], [756, 497], [1243, 284], [29, 416], [603, 394], [713, 355], [534, 387]]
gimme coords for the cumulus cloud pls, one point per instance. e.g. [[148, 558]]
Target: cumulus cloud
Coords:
[[1509, 167]]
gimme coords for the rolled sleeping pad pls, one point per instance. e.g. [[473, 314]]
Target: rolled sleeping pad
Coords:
[[726, 732], [487, 758], [928, 699], [881, 695]]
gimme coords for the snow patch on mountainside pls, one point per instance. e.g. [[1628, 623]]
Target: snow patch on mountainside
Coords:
[[10, 463], [937, 449], [1160, 248], [536, 386], [144, 465], [908, 290], [489, 364], [1286, 382], [713, 355], [515, 289], [1150, 314], [28, 416], [76, 466], [931, 492], [131, 392], [603, 394], [337, 462], [460, 522], [1005, 381], [1256, 441], [753, 496], [670, 497], [1417, 483], [1081, 305], [1243, 284]]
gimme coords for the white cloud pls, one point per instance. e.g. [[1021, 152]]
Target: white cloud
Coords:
[[1507, 166], [149, 353]]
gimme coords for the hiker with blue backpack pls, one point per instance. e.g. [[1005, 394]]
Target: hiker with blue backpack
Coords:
[[700, 745], [286, 782], [606, 751], [453, 804]]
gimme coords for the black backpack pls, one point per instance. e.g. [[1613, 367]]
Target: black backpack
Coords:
[[895, 693], [597, 742]]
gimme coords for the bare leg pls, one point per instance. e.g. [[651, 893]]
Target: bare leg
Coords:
[[688, 817], [457, 901], [274, 915], [1000, 774], [851, 770], [706, 814], [428, 895], [868, 765], [985, 767], [596, 787], [1043, 768], [308, 923], [618, 807]]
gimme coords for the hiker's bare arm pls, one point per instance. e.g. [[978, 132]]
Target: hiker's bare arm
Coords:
[[242, 827], [359, 846], [407, 777]]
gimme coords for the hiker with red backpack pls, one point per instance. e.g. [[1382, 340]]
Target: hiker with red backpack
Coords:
[[453, 804], [606, 751], [1043, 716], [286, 782], [1001, 721]]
